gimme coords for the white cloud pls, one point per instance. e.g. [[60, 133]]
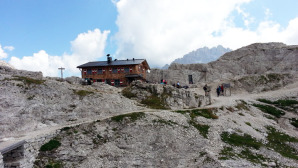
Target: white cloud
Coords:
[[162, 31], [86, 47], [9, 48], [2, 53]]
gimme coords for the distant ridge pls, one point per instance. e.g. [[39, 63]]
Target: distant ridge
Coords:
[[201, 55]]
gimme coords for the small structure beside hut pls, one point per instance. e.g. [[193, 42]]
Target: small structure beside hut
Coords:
[[115, 72]]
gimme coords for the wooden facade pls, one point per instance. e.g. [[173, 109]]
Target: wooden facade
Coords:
[[115, 73]]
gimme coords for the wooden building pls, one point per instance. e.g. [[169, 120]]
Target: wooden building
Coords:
[[115, 72]]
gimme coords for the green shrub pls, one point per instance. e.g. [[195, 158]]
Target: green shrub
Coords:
[[240, 140], [270, 110], [132, 116], [52, 144]]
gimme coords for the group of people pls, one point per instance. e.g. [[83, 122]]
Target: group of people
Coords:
[[164, 82], [219, 90]]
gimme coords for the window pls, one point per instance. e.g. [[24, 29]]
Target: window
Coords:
[[99, 71], [115, 70], [126, 70], [89, 71]]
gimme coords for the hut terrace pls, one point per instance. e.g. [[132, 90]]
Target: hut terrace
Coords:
[[115, 73]]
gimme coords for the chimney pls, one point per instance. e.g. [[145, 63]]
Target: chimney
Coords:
[[133, 59], [109, 59]]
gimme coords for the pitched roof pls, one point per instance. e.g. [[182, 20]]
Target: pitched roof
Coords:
[[113, 63]]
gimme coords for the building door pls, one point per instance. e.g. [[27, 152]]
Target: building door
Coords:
[[190, 79], [117, 82]]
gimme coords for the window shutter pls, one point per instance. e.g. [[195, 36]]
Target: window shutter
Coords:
[[103, 71], [85, 71], [130, 69], [121, 82], [112, 82]]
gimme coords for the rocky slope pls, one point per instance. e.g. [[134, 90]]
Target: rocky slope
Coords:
[[240, 135], [28, 101], [256, 59]]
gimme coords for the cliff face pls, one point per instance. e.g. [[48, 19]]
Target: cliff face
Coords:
[[202, 55], [255, 59]]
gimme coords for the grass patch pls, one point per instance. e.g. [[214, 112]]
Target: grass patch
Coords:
[[207, 113], [166, 122], [248, 123], [270, 110], [126, 92], [279, 142], [132, 116], [54, 165], [52, 144], [242, 105], [294, 122], [27, 80], [227, 153], [155, 102], [203, 129], [248, 155], [286, 104], [83, 93], [31, 97], [240, 140]]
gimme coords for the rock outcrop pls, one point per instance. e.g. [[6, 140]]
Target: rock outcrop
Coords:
[[166, 96], [255, 59]]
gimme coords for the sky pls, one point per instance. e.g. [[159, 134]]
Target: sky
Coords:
[[43, 35]]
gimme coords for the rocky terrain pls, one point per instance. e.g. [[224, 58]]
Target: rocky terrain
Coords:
[[256, 59], [28, 101], [66, 124]]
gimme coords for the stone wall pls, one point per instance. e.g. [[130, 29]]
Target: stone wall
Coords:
[[1, 161], [31, 148], [25, 155], [14, 158]]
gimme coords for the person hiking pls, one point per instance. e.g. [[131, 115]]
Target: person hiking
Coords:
[[178, 84], [218, 91], [222, 89], [205, 89]]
